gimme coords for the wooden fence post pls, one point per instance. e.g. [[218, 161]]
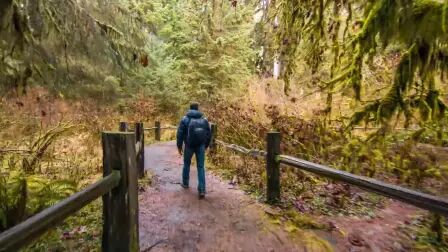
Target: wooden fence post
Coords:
[[273, 167], [123, 127], [157, 132], [140, 138], [438, 227], [214, 132], [120, 205]]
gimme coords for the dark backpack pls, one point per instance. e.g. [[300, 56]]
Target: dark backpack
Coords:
[[196, 133]]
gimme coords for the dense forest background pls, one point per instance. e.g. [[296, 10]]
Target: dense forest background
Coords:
[[359, 85]]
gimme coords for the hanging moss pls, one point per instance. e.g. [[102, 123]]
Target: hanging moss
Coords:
[[418, 26]]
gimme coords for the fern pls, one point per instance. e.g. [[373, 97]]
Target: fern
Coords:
[[25, 191]]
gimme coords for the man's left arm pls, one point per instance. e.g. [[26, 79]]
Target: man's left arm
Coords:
[[180, 135], [209, 134]]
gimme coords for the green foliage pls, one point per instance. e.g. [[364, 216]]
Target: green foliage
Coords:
[[70, 47], [428, 237], [13, 195], [400, 157], [302, 220], [44, 192], [162, 80], [173, 51], [79, 232], [198, 49], [351, 33], [25, 186]]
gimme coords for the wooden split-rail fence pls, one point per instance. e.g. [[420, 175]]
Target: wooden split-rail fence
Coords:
[[123, 164]]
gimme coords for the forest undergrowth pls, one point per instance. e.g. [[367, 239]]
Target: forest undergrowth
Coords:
[[47, 139], [408, 158], [356, 85], [50, 148]]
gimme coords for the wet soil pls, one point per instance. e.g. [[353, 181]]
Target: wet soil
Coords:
[[377, 234], [174, 219]]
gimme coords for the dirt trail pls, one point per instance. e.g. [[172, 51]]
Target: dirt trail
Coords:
[[378, 234], [174, 219]]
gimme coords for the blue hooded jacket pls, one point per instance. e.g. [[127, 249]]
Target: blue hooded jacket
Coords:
[[182, 130]]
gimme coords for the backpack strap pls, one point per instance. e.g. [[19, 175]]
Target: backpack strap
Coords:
[[189, 121]]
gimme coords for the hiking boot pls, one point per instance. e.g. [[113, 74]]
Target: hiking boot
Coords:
[[184, 186], [201, 195]]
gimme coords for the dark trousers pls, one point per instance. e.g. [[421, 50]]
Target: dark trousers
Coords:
[[200, 160]]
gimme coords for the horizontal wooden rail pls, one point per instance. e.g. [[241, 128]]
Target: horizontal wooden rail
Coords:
[[370, 128], [412, 197], [25, 232], [169, 127], [158, 128], [165, 127], [241, 149], [418, 199]]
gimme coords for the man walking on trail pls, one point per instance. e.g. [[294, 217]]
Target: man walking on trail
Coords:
[[194, 131]]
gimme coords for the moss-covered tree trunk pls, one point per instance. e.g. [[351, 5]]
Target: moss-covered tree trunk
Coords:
[[5, 14]]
